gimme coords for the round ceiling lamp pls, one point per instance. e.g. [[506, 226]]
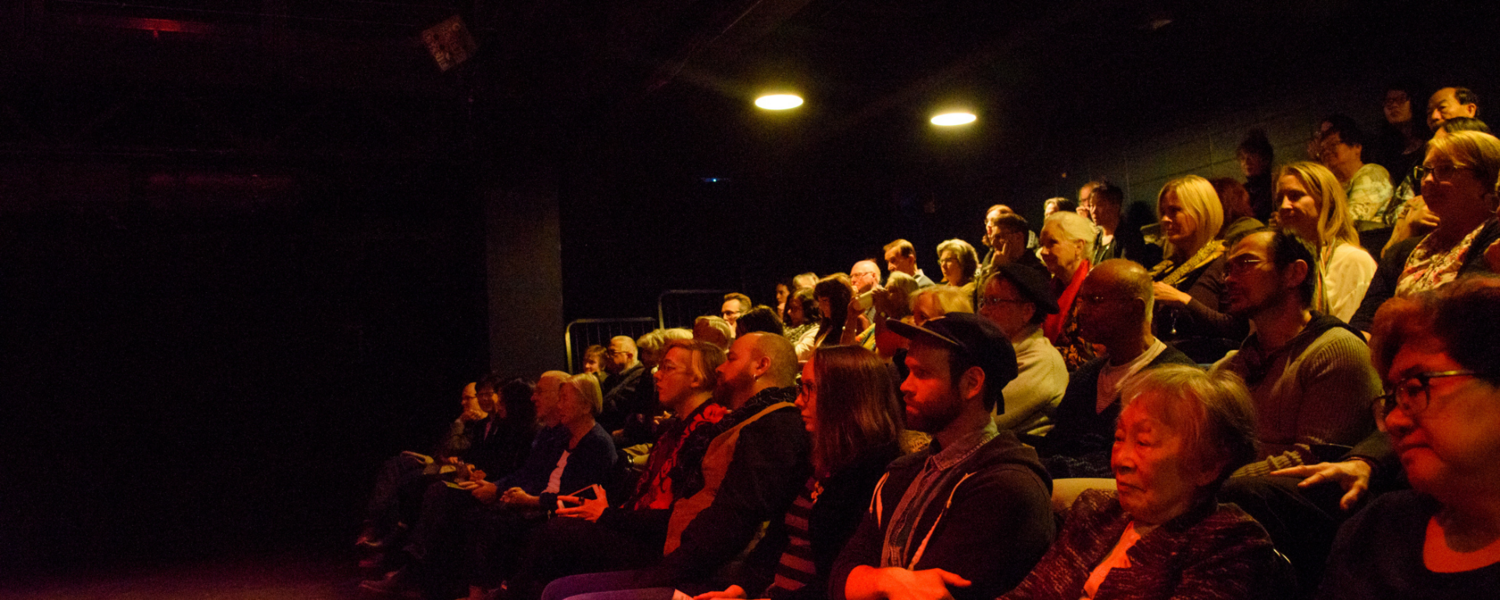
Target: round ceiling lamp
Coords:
[[953, 118], [779, 101]]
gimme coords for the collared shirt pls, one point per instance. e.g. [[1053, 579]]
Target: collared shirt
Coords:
[[901, 534]]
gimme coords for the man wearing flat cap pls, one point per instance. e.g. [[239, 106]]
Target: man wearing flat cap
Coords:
[[970, 515], [1017, 299]]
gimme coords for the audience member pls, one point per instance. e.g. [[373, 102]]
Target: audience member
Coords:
[[1458, 186], [1312, 205], [1086, 200], [864, 276], [593, 359], [1256, 156], [1006, 236], [959, 263], [1163, 534], [889, 302], [804, 281], [1442, 538], [597, 536], [1052, 205], [1018, 299], [802, 321], [1115, 240], [969, 515], [735, 304], [833, 294], [713, 330], [1367, 185], [1235, 201], [628, 385], [1450, 102], [849, 407], [901, 256], [1067, 244], [752, 473], [759, 319], [1114, 311], [783, 292], [1189, 283], [1413, 218], [1398, 147], [1309, 374], [935, 301]]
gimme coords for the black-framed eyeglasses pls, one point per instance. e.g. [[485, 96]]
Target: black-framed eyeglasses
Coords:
[[1438, 172], [1414, 393]]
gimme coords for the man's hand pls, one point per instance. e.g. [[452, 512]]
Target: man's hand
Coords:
[[732, 592], [586, 508], [1353, 475], [895, 583], [482, 491], [473, 413]]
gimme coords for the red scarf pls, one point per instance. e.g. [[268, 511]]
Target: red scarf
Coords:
[[1055, 324]]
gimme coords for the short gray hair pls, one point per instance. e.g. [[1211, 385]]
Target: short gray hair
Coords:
[[1075, 227], [1212, 410]]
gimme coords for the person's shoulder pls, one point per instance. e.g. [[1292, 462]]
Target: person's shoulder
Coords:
[[1171, 356], [1006, 453]]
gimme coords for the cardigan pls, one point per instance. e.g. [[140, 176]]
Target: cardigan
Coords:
[[1213, 551]]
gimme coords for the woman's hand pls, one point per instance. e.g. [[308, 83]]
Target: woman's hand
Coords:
[[733, 591], [518, 498], [1353, 475], [1170, 296], [482, 491], [584, 508]]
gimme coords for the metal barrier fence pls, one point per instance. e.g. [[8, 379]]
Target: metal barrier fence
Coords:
[[582, 333], [678, 308]]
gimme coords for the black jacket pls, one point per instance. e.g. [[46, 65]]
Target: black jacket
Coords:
[[995, 524]]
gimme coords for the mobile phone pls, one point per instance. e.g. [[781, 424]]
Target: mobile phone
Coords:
[[586, 493], [866, 300]]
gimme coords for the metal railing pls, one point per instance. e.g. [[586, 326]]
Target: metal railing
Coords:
[[582, 333], [678, 308]]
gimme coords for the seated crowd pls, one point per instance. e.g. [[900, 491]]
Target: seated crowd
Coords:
[[1209, 407]]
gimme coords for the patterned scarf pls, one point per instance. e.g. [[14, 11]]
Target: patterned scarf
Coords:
[[688, 472], [1430, 267], [1176, 273]]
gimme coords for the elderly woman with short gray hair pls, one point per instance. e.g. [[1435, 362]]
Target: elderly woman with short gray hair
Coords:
[[1161, 533]]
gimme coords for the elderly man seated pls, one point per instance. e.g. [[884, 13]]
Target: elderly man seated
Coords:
[[1017, 299]]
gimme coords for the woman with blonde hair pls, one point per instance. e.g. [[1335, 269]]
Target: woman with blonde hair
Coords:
[[1311, 203], [1067, 245], [1458, 185], [1189, 282]]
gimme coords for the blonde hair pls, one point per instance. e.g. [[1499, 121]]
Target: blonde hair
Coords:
[[950, 299], [1334, 221], [1199, 201], [1472, 150]]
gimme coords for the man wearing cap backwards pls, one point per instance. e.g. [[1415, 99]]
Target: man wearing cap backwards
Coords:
[[970, 515], [1114, 310], [1017, 299]]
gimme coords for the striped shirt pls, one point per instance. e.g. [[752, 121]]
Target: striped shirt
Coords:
[[797, 569]]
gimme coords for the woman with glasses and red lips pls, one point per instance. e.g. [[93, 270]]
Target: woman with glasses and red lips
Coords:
[[1441, 539], [1458, 185]]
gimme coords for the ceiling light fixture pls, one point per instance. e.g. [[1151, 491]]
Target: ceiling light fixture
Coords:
[[779, 101], [953, 118]]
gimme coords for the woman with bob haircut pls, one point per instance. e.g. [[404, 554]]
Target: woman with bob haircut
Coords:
[[1311, 203], [959, 262], [849, 407], [1441, 539], [1161, 533], [1458, 185], [1189, 282]]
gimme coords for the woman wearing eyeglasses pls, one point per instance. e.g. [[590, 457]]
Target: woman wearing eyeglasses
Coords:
[[1458, 185], [1442, 538]]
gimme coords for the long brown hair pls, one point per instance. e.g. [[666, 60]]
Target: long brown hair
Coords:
[[856, 407]]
